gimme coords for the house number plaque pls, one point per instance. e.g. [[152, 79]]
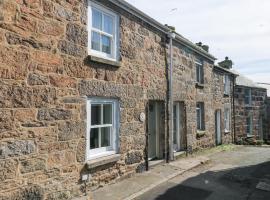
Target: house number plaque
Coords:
[[142, 117]]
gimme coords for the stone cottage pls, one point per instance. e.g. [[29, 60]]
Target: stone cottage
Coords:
[[250, 110], [85, 96]]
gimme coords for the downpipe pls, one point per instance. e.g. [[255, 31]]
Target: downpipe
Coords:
[[171, 36]]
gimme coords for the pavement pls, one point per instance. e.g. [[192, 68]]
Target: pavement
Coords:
[[242, 173], [223, 173], [140, 184]]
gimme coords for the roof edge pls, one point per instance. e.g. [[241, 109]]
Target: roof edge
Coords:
[[164, 29]]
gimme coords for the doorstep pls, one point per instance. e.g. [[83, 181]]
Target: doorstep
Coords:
[[141, 183]]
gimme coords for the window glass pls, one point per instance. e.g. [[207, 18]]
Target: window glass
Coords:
[[108, 24], [200, 116], [95, 41], [95, 114], [105, 136], [107, 114], [106, 44], [96, 19], [94, 138]]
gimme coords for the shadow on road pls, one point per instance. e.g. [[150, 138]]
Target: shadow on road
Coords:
[[237, 183]]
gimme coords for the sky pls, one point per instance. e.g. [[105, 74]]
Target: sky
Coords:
[[239, 29]]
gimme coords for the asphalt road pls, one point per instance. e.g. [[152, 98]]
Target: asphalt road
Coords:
[[232, 175]]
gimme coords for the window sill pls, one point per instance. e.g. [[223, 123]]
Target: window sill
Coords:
[[227, 132], [226, 95], [199, 85], [91, 164], [200, 133], [104, 61]]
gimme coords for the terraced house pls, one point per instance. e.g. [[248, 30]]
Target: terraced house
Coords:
[[251, 112], [87, 96]]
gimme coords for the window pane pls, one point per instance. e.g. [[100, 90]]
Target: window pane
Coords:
[[94, 138], [96, 19], [106, 44], [106, 137], [95, 114], [108, 24], [198, 73], [198, 118], [95, 41], [107, 114]]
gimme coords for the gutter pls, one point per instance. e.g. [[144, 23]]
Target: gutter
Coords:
[[162, 28]]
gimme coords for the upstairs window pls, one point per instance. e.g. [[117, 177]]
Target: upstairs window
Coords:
[[248, 97], [200, 116], [227, 87], [102, 32], [102, 127], [199, 72]]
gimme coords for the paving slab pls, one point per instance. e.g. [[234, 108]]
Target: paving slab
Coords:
[[133, 187]]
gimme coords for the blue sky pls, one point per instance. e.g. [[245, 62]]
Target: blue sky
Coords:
[[239, 29]]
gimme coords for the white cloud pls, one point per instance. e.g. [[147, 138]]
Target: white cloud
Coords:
[[238, 29]]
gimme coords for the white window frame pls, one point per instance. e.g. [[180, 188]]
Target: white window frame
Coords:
[[200, 108], [115, 37], [227, 84], [199, 76], [250, 133], [227, 121], [249, 96], [103, 151]]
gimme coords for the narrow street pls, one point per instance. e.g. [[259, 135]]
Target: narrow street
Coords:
[[243, 173]]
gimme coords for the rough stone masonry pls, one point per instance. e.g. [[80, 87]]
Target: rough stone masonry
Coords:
[[46, 76]]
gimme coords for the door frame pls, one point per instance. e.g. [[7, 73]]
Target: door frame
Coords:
[[178, 136], [218, 126], [156, 107]]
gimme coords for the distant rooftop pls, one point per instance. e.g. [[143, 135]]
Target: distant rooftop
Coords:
[[244, 81]]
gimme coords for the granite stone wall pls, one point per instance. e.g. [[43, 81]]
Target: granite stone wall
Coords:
[[46, 76], [211, 93], [257, 110]]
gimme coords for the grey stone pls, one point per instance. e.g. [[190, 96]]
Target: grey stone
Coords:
[[133, 157], [37, 79], [71, 130], [14, 39], [71, 49], [6, 121], [17, 148], [54, 114], [31, 165], [77, 34]]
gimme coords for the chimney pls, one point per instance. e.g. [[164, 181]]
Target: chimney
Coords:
[[172, 28], [227, 63], [199, 44], [205, 47]]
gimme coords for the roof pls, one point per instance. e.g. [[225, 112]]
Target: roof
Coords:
[[164, 29], [233, 72], [242, 80]]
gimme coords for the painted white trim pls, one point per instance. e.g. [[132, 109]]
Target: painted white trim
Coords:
[[114, 137], [114, 56], [177, 146]]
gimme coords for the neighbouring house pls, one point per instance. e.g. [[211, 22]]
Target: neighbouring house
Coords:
[[250, 110], [267, 121], [84, 89]]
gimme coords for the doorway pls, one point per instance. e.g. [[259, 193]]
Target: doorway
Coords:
[[155, 129], [218, 127], [178, 127]]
